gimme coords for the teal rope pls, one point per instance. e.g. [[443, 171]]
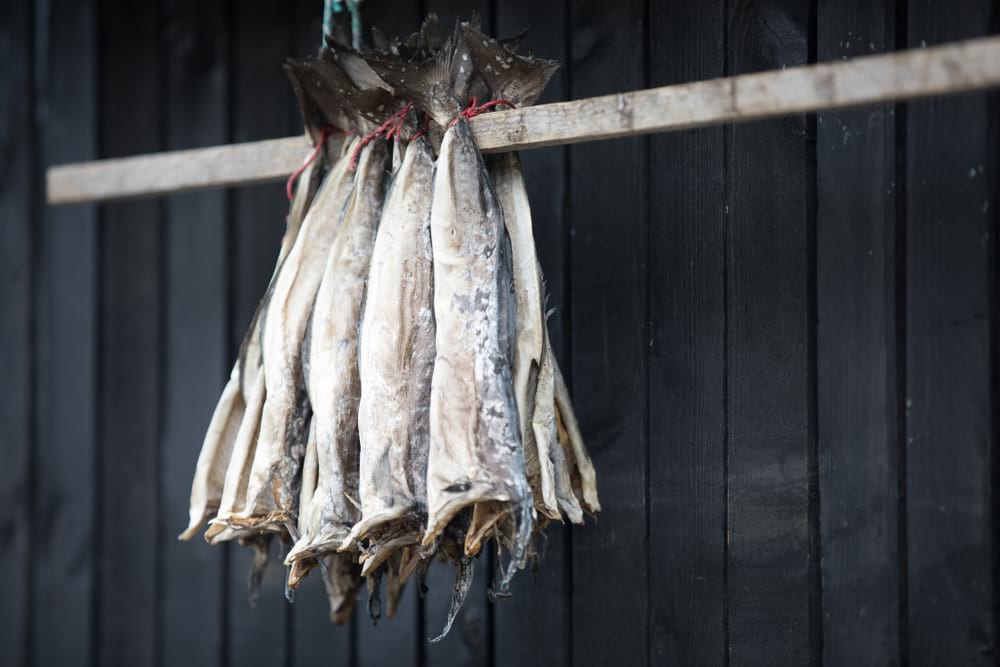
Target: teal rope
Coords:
[[331, 7]]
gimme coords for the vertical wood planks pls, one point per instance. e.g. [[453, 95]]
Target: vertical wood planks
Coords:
[[532, 626], [66, 299], [17, 168], [856, 353], [196, 356], [768, 295], [130, 349], [260, 109], [610, 343], [687, 269], [950, 205]]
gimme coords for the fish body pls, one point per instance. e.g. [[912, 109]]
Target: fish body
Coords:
[[272, 488], [475, 453], [334, 386], [217, 447], [396, 355], [531, 338]]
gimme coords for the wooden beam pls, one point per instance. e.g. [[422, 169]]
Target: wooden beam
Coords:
[[952, 68]]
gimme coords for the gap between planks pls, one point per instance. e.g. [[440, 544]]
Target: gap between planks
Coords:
[[948, 69]]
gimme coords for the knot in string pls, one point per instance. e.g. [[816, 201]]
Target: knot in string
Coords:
[[390, 128], [323, 136], [474, 109]]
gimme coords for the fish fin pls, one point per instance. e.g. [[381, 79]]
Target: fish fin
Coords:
[[261, 545], [463, 582], [438, 84], [382, 41], [355, 66], [312, 116], [375, 596], [326, 85], [517, 79]]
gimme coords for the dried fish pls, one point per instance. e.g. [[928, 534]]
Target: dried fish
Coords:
[[581, 467], [271, 491], [475, 453], [217, 448], [396, 359], [335, 390]]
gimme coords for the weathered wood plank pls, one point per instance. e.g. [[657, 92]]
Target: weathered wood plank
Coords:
[[972, 65], [259, 108], [67, 306], [950, 176], [196, 356], [856, 354], [16, 313], [610, 345], [532, 627], [687, 353], [767, 333], [130, 346]]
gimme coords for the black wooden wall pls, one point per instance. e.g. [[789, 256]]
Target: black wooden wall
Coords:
[[782, 339]]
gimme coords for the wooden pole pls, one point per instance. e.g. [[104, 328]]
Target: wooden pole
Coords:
[[948, 69]]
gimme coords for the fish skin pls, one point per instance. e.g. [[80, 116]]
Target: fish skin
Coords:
[[217, 447], [271, 493], [335, 393], [396, 357], [546, 431], [576, 453], [475, 454], [238, 471], [531, 336]]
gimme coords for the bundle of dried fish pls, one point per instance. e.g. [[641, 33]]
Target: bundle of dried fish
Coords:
[[397, 398]]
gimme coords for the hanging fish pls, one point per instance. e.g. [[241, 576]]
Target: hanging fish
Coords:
[[334, 385], [475, 452], [396, 359]]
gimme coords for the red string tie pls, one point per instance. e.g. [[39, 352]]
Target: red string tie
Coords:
[[392, 126], [474, 109], [324, 135]]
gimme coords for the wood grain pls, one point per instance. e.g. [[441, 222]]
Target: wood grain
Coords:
[[951, 162], [610, 346], [687, 306], [767, 323], [195, 345], [955, 68], [67, 314], [130, 381], [16, 312], [856, 354]]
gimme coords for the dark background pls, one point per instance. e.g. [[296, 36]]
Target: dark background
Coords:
[[782, 340]]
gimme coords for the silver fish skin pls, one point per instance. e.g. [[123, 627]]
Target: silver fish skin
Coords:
[[396, 353], [334, 384], [544, 425], [475, 454], [508, 181], [217, 447], [272, 493], [580, 465]]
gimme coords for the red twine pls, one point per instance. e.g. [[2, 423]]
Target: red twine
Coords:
[[391, 127], [474, 109], [324, 135]]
